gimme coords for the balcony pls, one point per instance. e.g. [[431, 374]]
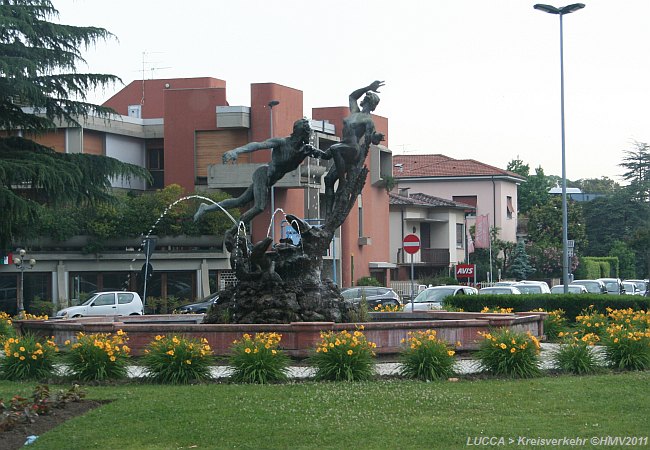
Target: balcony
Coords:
[[428, 256]]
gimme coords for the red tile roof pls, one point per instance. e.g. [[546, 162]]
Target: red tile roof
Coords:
[[419, 199], [444, 166]]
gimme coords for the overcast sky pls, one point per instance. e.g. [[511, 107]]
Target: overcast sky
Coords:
[[472, 79]]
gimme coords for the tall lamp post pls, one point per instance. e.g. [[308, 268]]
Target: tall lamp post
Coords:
[[271, 104], [21, 264], [565, 240]]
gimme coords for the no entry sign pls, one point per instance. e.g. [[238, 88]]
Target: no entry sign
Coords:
[[411, 243]]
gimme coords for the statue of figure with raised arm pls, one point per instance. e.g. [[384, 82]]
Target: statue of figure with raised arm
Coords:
[[351, 151], [287, 154]]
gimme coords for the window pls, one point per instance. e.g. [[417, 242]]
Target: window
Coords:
[[459, 235], [104, 300], [124, 298], [156, 166], [360, 205], [510, 210]]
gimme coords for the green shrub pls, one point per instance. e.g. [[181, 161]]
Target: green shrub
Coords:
[[343, 356], [627, 349], [571, 304], [97, 357], [554, 324], [41, 307], [368, 281], [6, 327], [510, 354], [258, 359], [27, 358], [426, 357], [591, 321], [177, 360], [575, 354]]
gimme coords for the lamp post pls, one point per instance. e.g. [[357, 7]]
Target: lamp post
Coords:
[[21, 264], [565, 240], [271, 104]]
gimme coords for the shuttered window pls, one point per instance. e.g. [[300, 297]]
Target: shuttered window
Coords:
[[211, 145]]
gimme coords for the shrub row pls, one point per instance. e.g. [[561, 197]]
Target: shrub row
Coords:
[[571, 304]]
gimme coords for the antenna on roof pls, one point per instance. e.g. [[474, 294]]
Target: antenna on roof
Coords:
[[150, 68]]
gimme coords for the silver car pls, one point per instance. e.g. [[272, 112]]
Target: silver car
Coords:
[[433, 297]]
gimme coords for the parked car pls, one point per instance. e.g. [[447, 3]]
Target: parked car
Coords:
[[499, 290], [573, 289], [533, 287], [613, 285], [641, 285], [115, 303], [373, 295], [593, 286], [433, 297], [200, 307], [504, 283], [630, 288]]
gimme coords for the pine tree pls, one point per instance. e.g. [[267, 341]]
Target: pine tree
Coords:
[[39, 86], [520, 267]]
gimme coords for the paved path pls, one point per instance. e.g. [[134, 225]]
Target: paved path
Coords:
[[464, 366]]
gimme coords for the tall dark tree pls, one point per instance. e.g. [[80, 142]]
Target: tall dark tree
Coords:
[[545, 224], [637, 165], [40, 86], [520, 267]]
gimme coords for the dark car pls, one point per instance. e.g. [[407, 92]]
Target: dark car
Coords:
[[199, 307], [374, 296]]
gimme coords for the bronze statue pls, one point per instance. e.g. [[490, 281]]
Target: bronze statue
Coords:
[[350, 152], [287, 154]]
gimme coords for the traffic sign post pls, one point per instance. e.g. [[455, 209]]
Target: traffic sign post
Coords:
[[411, 245]]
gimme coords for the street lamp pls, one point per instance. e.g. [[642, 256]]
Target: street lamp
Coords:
[[21, 264], [565, 240], [271, 104]]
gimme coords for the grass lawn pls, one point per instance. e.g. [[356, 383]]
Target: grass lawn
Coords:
[[394, 414]]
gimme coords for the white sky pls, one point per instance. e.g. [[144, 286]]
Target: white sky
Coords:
[[473, 79]]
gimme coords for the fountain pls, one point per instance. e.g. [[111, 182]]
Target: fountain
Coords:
[[280, 288]]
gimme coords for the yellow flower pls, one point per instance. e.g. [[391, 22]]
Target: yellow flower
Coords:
[[451, 352], [158, 337], [67, 342], [170, 352], [112, 358], [247, 350], [512, 350], [22, 358], [188, 361], [350, 352], [22, 349], [16, 354], [273, 352], [503, 346]]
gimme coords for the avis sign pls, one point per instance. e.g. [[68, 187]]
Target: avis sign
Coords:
[[465, 270]]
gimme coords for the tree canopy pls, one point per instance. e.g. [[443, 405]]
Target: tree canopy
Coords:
[[40, 87]]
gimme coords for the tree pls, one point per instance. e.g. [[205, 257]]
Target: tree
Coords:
[[602, 185], [520, 267], [39, 85], [534, 190], [637, 164], [545, 224]]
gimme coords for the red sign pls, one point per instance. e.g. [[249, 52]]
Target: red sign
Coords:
[[411, 243], [465, 270]]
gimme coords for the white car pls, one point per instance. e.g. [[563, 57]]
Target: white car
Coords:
[[116, 303], [533, 287], [573, 289], [630, 288], [432, 298], [499, 290], [641, 285]]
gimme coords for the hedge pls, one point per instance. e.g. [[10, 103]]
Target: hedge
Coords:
[[572, 304]]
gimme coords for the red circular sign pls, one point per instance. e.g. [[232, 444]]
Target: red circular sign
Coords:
[[411, 243]]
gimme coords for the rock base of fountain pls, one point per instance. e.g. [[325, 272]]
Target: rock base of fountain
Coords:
[[274, 301]]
